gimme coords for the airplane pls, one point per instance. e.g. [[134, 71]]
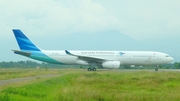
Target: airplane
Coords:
[[92, 58]]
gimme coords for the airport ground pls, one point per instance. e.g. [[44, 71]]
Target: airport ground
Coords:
[[81, 85]]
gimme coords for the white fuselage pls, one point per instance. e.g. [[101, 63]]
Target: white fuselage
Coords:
[[124, 57]]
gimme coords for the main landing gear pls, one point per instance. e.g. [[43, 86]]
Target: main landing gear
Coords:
[[91, 69]]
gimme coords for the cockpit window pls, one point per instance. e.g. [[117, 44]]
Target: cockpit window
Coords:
[[167, 56]]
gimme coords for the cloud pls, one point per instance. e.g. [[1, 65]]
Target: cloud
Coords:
[[56, 17], [146, 19], [138, 19]]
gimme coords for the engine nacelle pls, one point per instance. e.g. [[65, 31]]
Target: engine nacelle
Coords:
[[111, 64]]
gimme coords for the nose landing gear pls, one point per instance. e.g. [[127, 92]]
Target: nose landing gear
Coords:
[[156, 69]]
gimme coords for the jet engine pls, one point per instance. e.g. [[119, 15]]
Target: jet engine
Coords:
[[111, 64]]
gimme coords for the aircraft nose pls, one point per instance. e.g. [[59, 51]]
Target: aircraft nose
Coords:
[[172, 59]]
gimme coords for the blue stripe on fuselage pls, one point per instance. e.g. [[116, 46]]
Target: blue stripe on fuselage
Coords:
[[43, 57]]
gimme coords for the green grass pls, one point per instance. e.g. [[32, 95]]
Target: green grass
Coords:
[[99, 86]]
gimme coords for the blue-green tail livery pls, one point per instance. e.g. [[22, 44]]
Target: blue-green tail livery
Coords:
[[23, 42]]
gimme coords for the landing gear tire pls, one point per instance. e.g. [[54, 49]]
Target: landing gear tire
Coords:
[[156, 69], [94, 69], [89, 69]]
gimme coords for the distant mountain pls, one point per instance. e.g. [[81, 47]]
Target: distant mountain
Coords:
[[110, 40]]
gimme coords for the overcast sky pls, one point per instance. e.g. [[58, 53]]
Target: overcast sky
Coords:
[[138, 19]]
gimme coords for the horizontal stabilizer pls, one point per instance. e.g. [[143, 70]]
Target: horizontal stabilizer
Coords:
[[22, 53]]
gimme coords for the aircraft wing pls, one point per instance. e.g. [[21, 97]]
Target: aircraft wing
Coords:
[[89, 59]]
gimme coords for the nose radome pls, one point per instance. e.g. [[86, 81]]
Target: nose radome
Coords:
[[172, 59]]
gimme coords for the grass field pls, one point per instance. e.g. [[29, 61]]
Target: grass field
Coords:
[[81, 85]]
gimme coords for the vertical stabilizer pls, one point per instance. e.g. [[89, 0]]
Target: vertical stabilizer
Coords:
[[23, 42]]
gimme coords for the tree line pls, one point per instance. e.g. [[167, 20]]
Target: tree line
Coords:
[[27, 64]]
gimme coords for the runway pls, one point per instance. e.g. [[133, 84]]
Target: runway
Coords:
[[24, 79]]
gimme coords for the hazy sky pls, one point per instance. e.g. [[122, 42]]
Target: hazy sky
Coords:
[[139, 19]]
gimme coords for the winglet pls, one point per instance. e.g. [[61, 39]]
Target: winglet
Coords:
[[67, 52]]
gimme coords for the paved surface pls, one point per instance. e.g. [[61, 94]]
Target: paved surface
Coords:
[[16, 80], [137, 70]]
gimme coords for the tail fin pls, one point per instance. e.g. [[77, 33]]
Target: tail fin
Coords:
[[23, 42]]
